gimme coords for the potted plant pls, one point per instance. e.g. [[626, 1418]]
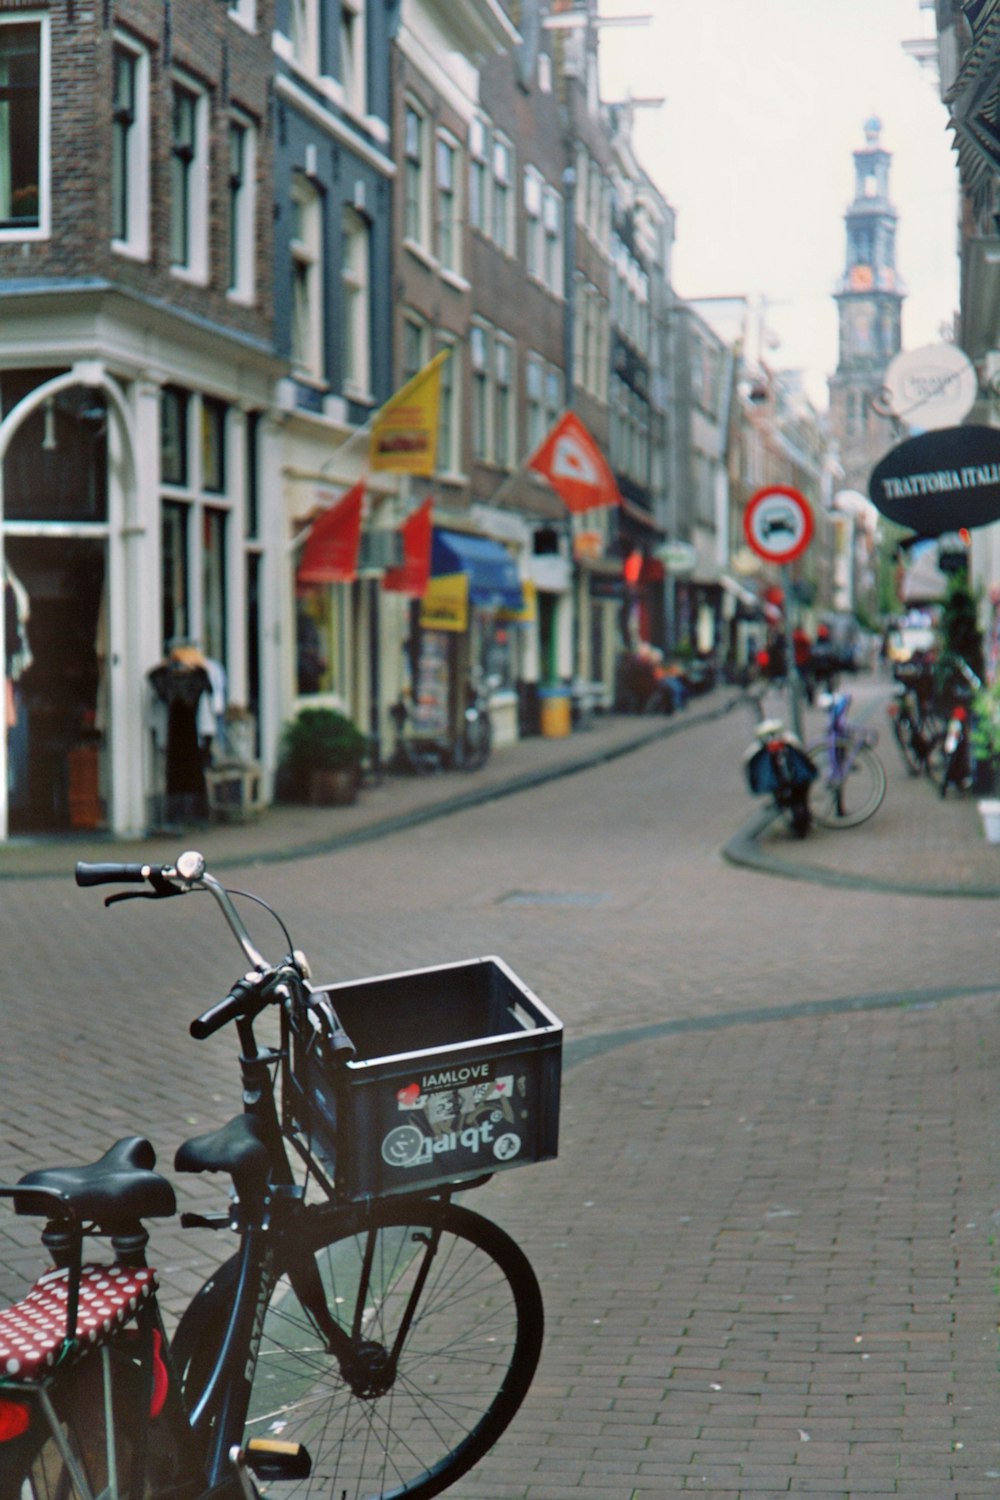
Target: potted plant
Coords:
[[322, 752], [984, 742]]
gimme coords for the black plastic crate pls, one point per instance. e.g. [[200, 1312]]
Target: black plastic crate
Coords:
[[456, 1073]]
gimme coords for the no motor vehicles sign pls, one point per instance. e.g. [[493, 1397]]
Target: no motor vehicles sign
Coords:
[[778, 523]]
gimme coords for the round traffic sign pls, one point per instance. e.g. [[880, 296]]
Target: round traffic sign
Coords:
[[778, 523]]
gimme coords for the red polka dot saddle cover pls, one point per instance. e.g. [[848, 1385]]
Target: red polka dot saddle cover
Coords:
[[33, 1330]]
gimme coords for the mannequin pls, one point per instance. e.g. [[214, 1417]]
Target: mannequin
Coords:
[[182, 687]]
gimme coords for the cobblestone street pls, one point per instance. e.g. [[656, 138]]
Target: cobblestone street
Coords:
[[768, 1246]]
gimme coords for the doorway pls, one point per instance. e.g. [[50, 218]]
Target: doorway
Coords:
[[58, 731]]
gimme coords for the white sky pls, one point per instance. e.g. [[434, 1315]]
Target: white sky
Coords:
[[765, 103]]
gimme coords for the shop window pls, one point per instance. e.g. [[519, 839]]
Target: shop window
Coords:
[[55, 468], [213, 445], [316, 639], [498, 655], [173, 436], [174, 563], [213, 583], [23, 122]]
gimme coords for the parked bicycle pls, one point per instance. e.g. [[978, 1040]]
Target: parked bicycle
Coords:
[[776, 765], [370, 1337], [850, 783], [956, 760], [420, 754], [917, 725]]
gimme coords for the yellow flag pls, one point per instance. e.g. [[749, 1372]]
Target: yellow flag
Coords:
[[404, 434]]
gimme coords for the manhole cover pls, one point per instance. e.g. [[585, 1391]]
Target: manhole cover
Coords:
[[553, 898]]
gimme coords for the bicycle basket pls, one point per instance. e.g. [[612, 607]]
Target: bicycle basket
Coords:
[[456, 1072]]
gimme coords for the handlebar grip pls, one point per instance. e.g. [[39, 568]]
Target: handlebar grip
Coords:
[[230, 1008], [113, 874]]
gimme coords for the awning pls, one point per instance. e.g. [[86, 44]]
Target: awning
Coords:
[[492, 572]]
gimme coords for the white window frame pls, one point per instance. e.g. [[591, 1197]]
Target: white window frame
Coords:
[[42, 229], [449, 434], [135, 242], [243, 219], [502, 193], [353, 56], [552, 240], [481, 389], [303, 35], [307, 273], [504, 402], [244, 12], [448, 192], [356, 290], [195, 267], [416, 178], [533, 222], [534, 400], [480, 196]]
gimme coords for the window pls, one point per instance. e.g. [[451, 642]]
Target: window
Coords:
[[415, 177], [533, 402], [173, 436], [130, 150], [307, 292], [503, 401], [503, 204], [551, 271], [479, 359], [355, 281], [213, 582], [533, 222], [23, 126], [352, 55], [448, 461], [479, 175], [241, 205], [244, 11], [415, 346], [188, 183], [174, 553], [213, 445], [449, 211], [304, 34]]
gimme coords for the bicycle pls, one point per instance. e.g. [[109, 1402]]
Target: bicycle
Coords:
[[918, 730], [955, 765], [850, 783], [475, 737], [370, 1337]]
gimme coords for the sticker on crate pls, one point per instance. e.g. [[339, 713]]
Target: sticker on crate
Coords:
[[460, 1111]]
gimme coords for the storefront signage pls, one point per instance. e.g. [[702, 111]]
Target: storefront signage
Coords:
[[445, 605], [932, 387], [677, 557], [941, 480], [778, 523]]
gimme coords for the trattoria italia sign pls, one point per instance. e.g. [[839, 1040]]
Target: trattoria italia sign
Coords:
[[941, 480]]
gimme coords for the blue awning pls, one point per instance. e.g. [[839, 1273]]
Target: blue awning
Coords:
[[492, 572]]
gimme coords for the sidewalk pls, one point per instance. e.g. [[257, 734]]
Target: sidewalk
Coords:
[[915, 843]]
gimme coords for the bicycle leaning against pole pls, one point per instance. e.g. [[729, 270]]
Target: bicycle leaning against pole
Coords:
[[850, 783], [370, 1337]]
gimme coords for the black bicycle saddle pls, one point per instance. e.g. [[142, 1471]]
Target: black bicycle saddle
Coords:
[[121, 1186]]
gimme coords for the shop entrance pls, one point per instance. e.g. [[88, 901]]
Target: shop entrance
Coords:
[[58, 733]]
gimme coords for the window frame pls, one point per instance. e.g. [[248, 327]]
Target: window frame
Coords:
[[132, 158], [353, 56], [356, 302], [242, 211], [448, 194], [502, 193], [41, 227], [416, 177], [189, 184], [308, 344]]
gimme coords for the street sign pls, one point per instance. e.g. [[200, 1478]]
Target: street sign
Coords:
[[677, 557], [778, 523]]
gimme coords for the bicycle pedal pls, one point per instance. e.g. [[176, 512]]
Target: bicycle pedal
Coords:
[[269, 1459]]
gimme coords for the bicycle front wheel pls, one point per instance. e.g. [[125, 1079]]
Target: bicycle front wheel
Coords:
[[397, 1351], [903, 729], [850, 784]]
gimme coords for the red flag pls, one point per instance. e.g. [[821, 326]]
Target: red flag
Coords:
[[330, 554], [412, 577], [575, 467]]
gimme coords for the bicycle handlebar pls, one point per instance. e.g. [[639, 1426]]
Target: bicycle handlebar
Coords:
[[230, 1008], [116, 874]]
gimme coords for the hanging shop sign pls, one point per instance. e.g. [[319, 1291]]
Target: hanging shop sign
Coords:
[[932, 387], [941, 481], [445, 604], [677, 557], [778, 523]]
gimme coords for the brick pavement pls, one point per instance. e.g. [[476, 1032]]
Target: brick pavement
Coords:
[[768, 1247]]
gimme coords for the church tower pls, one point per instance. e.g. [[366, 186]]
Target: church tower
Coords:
[[869, 300]]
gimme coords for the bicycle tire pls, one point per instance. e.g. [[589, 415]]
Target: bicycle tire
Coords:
[[903, 730], [857, 798], [465, 1366], [475, 744]]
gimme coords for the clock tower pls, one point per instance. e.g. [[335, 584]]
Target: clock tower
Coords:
[[869, 300]]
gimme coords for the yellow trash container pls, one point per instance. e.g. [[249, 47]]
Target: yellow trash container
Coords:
[[555, 712]]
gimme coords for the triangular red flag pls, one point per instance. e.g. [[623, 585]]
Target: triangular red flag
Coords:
[[411, 577], [330, 554], [574, 465]]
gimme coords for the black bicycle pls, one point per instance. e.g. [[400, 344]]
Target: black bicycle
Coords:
[[370, 1337], [918, 726]]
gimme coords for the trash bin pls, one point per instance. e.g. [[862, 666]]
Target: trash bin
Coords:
[[555, 712]]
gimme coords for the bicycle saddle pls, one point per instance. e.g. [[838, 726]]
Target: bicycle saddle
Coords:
[[235, 1148], [120, 1186]]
